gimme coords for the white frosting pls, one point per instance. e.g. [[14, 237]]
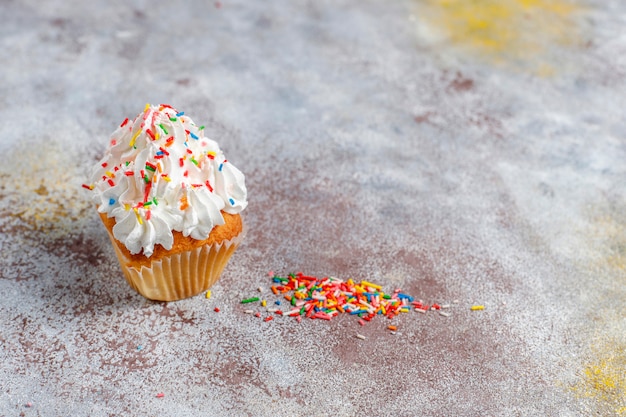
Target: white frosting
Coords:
[[161, 174]]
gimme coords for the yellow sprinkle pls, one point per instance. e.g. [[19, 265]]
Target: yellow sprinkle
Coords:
[[263, 303], [147, 106], [126, 207], [475, 308], [132, 140], [208, 294], [404, 310], [138, 215], [156, 136], [369, 284], [109, 174], [166, 178], [211, 153]]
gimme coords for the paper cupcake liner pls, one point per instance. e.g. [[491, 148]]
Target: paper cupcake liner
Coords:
[[180, 275]]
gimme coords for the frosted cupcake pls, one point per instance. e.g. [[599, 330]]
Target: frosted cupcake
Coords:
[[171, 203]]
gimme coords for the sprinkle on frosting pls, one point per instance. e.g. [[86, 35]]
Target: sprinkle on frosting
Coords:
[[162, 157]]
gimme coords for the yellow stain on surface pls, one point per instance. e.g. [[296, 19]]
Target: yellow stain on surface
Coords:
[[604, 379], [519, 32], [43, 194]]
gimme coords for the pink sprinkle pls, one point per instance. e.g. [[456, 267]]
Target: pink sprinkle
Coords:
[[160, 395], [361, 322]]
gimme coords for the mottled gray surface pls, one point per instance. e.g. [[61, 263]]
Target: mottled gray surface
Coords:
[[378, 144]]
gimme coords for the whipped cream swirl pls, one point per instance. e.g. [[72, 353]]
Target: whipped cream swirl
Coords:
[[161, 174]]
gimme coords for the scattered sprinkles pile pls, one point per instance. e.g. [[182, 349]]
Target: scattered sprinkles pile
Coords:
[[327, 297]]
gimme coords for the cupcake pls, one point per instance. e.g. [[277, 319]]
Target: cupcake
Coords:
[[171, 203]]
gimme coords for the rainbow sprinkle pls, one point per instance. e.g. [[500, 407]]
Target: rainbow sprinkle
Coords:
[[327, 297]]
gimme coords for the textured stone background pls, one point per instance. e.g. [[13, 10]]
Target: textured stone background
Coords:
[[470, 151]]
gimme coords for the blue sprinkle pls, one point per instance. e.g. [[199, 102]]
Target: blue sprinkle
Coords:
[[139, 347], [402, 296], [232, 202], [111, 201], [193, 135], [180, 114], [159, 153], [221, 166], [277, 302]]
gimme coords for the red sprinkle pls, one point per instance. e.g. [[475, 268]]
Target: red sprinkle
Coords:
[[268, 318], [216, 309], [111, 183], [124, 122]]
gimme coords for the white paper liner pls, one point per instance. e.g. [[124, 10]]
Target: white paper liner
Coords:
[[180, 275]]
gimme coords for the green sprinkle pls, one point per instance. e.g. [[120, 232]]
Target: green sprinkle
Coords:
[[201, 127], [149, 168], [173, 119], [161, 126], [249, 300], [154, 200], [127, 163], [293, 301], [146, 179], [387, 297], [194, 161], [147, 203], [302, 310]]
